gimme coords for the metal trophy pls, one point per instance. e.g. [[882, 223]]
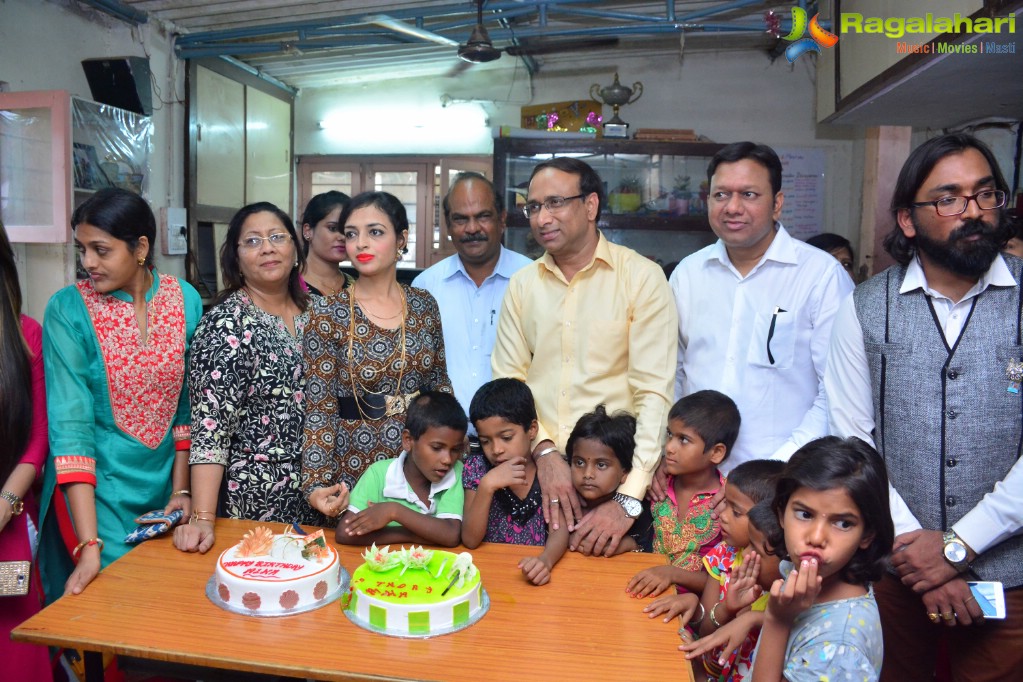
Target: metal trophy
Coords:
[[617, 95]]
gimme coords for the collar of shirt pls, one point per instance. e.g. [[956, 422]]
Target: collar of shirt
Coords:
[[781, 250], [997, 275], [670, 490], [396, 486], [601, 253], [504, 268]]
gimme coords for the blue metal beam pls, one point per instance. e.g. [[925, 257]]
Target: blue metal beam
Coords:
[[118, 10]]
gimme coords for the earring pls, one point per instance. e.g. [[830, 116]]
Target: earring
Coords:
[[399, 254], [141, 262]]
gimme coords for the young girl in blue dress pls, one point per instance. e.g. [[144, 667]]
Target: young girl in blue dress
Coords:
[[836, 531], [502, 491]]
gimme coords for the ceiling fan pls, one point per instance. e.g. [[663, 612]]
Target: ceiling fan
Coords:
[[480, 49]]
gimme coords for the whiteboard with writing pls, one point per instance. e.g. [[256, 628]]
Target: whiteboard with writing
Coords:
[[802, 184]]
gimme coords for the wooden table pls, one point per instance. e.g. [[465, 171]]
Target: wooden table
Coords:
[[152, 604]]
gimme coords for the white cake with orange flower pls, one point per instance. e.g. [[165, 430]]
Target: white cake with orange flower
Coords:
[[268, 574]]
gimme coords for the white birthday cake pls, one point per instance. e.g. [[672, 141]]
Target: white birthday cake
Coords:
[[269, 574], [415, 592]]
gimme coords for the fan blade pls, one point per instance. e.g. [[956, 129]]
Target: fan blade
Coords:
[[534, 48], [408, 29]]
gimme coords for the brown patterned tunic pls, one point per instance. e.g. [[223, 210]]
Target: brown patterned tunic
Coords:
[[337, 449]]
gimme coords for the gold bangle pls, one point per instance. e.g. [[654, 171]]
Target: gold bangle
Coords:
[[183, 491], [202, 516], [86, 543], [713, 614]]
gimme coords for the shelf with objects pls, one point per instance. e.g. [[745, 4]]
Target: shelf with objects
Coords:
[[656, 191], [57, 151]]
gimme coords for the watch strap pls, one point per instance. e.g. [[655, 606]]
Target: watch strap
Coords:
[[17, 506]]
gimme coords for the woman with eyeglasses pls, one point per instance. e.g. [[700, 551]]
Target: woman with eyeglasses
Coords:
[[115, 351], [247, 382], [324, 244], [369, 351]]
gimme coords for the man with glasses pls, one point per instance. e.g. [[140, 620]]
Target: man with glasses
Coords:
[[589, 322], [470, 285], [926, 362], [755, 310]]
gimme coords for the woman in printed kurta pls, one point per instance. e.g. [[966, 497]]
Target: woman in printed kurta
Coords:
[[369, 350], [246, 381], [23, 432], [115, 348]]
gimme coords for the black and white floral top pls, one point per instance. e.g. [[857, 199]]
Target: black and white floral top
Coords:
[[246, 383]]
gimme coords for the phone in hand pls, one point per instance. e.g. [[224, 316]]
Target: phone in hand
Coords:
[[990, 597]]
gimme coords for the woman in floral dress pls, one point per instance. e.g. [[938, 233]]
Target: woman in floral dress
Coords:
[[246, 382], [369, 350]]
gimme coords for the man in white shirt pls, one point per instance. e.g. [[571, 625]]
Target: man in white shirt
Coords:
[[926, 362], [469, 286], [755, 310]]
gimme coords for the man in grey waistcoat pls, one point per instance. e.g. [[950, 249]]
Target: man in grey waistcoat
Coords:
[[926, 362]]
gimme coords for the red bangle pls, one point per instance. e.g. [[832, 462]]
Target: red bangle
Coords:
[[86, 543]]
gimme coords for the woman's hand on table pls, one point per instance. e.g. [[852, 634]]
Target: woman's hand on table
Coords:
[[180, 501], [330, 501], [194, 536], [85, 572]]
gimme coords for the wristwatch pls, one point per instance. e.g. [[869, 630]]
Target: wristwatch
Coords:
[[955, 550], [17, 506], [631, 505]]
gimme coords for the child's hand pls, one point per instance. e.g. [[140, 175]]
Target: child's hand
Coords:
[[650, 582], [673, 605], [507, 473], [724, 641], [536, 570], [743, 588], [373, 517], [791, 597]]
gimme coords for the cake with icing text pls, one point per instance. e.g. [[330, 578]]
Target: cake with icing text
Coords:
[[415, 592], [268, 574]]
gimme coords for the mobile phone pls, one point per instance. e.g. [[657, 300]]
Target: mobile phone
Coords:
[[990, 598]]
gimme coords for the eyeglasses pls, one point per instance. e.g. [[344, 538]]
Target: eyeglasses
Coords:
[[275, 239], [987, 200], [550, 203]]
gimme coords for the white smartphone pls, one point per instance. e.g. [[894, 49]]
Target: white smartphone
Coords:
[[990, 597]]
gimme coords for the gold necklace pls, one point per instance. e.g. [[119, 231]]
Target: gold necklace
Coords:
[[365, 308], [390, 402], [322, 286]]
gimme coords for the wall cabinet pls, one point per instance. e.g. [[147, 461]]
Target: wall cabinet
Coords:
[[55, 151], [656, 191]]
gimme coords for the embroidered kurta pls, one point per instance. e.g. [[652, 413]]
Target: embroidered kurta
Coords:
[[247, 382], [685, 537], [337, 449], [113, 399], [26, 661]]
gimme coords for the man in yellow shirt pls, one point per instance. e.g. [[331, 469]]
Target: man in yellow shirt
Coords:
[[589, 322]]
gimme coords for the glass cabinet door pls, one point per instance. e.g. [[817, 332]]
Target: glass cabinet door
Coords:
[[655, 192]]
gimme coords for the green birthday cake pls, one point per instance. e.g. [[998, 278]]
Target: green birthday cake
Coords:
[[414, 592]]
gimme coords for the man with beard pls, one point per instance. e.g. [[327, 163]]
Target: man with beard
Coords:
[[470, 285], [925, 362]]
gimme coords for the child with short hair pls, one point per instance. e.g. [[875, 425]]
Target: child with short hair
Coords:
[[502, 491], [747, 484], [416, 497], [832, 505], [746, 594], [702, 428], [599, 451]]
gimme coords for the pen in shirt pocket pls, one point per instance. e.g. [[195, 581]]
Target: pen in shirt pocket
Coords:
[[492, 313], [770, 332]]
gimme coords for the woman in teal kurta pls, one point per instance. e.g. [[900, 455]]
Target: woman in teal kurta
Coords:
[[115, 349]]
